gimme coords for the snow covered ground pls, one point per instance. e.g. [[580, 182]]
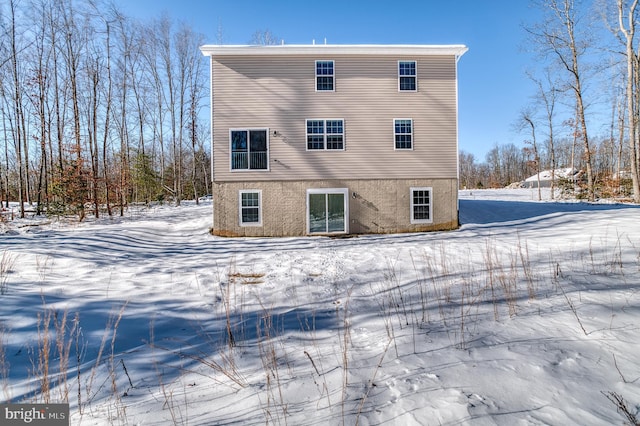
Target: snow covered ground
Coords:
[[528, 314]]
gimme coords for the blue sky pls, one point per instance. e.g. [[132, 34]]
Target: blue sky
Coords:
[[492, 86]]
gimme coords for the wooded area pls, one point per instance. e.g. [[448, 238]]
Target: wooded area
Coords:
[[98, 110], [584, 114]]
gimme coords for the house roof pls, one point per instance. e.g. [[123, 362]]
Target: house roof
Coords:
[[335, 49]]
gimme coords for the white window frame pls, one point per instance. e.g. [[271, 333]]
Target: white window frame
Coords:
[[395, 143], [259, 207], [415, 76], [248, 129], [325, 146], [333, 75], [412, 205], [345, 192]]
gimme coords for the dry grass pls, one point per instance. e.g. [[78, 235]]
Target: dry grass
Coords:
[[7, 261], [244, 278], [623, 408], [4, 364], [443, 293]]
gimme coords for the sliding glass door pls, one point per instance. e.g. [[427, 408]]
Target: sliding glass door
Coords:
[[327, 211]]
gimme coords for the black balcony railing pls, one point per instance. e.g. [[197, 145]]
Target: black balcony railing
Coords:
[[254, 160]]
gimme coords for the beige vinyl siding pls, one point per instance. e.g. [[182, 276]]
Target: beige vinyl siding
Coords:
[[278, 93]]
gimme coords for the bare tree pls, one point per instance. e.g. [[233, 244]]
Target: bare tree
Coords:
[[506, 165], [168, 94], [196, 81], [527, 121], [468, 170], [75, 40], [107, 116], [82, 88], [546, 95], [557, 36], [183, 52], [5, 58], [264, 38], [39, 92], [627, 17], [19, 124], [59, 84], [5, 114]]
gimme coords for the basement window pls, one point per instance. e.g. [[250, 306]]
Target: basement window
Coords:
[[421, 205], [250, 207]]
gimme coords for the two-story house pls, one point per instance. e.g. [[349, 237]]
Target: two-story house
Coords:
[[334, 139]]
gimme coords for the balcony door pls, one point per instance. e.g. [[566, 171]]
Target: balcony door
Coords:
[[249, 149]]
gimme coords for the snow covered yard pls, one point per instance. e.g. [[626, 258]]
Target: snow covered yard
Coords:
[[528, 314]]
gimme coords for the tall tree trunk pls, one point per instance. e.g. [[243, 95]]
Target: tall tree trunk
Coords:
[[17, 106], [582, 121], [107, 116], [57, 94], [628, 32], [93, 139], [193, 123], [6, 160], [621, 141], [124, 166], [39, 100], [634, 143], [72, 62], [574, 68], [547, 96], [552, 158], [43, 174]]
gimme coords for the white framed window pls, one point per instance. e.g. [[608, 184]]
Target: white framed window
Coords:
[[325, 81], [421, 205], [407, 76], [250, 207], [328, 211], [325, 134], [403, 133], [249, 149]]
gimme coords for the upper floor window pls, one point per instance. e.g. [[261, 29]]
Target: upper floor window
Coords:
[[407, 76], [324, 76], [403, 133], [325, 134], [249, 149]]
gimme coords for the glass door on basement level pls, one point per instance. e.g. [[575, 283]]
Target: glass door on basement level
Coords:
[[327, 211]]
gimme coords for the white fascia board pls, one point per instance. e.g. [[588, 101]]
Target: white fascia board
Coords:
[[332, 49]]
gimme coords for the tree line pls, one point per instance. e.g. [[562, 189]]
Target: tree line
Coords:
[[98, 110], [585, 111]]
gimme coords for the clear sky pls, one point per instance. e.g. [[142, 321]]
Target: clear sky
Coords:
[[492, 85]]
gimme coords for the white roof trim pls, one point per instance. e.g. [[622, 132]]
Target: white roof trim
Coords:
[[333, 49]]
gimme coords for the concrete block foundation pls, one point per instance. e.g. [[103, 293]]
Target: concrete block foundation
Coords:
[[373, 206]]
